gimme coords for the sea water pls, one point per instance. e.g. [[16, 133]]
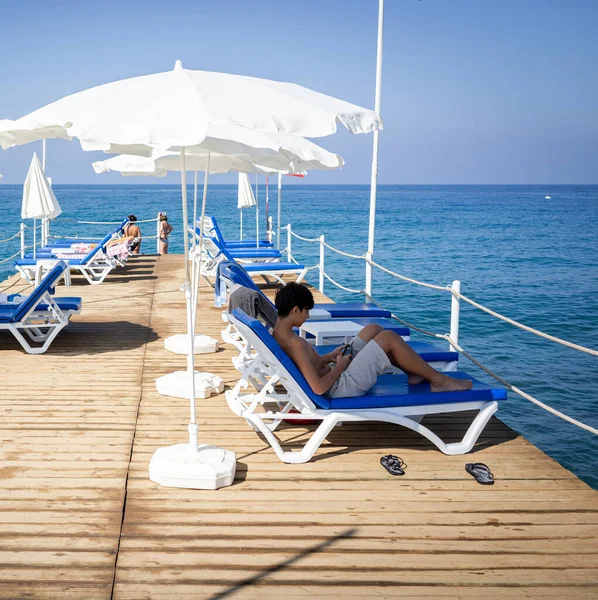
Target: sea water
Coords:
[[529, 257]]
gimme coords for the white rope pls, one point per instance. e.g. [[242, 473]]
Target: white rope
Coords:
[[521, 392], [5, 260], [521, 326], [306, 268], [304, 238], [342, 287], [409, 279], [11, 238], [362, 256]]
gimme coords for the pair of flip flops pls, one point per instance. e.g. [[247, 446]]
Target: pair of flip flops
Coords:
[[395, 465], [480, 472]]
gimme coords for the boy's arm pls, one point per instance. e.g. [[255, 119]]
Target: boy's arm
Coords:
[[318, 384]]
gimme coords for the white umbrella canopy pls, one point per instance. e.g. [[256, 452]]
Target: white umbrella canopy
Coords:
[[161, 163], [174, 110], [39, 201]]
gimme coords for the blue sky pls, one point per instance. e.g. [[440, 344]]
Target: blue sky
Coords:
[[474, 91]]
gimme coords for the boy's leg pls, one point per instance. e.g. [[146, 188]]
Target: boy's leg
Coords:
[[417, 369]]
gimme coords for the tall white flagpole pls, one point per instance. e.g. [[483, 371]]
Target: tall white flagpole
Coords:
[[374, 179]]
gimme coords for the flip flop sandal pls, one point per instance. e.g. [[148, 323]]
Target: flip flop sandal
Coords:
[[480, 472], [393, 464]]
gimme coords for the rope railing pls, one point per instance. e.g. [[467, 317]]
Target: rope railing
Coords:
[[362, 256], [520, 392], [342, 287], [537, 332], [12, 237], [5, 260], [304, 238], [458, 295]]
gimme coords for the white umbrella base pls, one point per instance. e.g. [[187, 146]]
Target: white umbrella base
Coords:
[[180, 466], [177, 384], [179, 344]]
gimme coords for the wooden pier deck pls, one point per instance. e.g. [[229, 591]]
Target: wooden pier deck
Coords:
[[79, 517]]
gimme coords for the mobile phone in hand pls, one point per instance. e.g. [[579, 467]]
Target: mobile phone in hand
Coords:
[[346, 349]]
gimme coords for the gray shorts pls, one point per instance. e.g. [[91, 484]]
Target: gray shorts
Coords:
[[369, 361]]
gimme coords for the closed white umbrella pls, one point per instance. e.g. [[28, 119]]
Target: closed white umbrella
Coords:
[[174, 110], [245, 199], [39, 201]]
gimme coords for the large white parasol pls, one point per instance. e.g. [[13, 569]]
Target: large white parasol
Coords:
[[39, 201], [174, 111]]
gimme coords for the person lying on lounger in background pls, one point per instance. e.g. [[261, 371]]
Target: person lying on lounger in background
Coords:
[[132, 230], [373, 351]]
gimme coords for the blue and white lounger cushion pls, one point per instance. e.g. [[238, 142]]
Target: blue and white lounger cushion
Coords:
[[390, 400], [40, 317], [94, 265]]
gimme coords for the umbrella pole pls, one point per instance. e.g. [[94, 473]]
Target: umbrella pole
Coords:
[[34, 238], [257, 215], [190, 357], [241, 224], [279, 206], [193, 225], [203, 214]]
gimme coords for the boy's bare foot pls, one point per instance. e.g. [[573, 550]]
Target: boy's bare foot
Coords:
[[414, 379], [449, 384]]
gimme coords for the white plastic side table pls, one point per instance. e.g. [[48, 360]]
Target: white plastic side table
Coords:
[[327, 329]]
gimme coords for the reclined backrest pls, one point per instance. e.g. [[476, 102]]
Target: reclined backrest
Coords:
[[235, 273], [45, 285], [281, 356], [100, 247], [217, 233]]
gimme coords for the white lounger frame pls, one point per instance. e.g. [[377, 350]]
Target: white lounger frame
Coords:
[[95, 271], [54, 320], [265, 372]]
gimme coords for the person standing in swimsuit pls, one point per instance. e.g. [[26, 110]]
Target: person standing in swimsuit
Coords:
[[165, 228], [132, 230]]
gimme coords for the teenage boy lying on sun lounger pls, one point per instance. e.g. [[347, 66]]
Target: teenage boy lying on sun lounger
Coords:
[[371, 353]]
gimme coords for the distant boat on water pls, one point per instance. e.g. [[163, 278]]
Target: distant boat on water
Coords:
[[546, 197]]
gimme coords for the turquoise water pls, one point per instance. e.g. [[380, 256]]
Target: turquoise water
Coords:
[[531, 258]]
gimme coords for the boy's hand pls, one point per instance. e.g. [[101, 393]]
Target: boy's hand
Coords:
[[343, 361], [337, 351]]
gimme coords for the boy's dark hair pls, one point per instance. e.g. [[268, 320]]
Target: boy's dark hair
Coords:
[[132, 218], [291, 295]]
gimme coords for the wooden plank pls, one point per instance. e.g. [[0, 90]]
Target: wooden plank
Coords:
[[77, 441]]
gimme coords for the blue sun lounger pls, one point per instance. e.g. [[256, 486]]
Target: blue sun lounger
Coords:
[[390, 400], [231, 273], [249, 253], [213, 256], [40, 317], [94, 265], [213, 229]]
